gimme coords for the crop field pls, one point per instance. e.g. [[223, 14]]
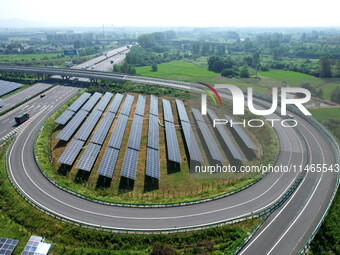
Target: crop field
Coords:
[[326, 113], [328, 88]]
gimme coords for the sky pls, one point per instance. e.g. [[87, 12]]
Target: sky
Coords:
[[268, 13]]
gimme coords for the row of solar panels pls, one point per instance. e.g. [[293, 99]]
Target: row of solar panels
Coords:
[[107, 166], [6, 87]]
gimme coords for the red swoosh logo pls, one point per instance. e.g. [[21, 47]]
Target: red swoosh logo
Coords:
[[213, 90]]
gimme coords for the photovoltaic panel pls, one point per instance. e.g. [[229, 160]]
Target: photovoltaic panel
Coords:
[[89, 156], [136, 132], [104, 127], [153, 133], [214, 151], [167, 111], [118, 132], [64, 117], [153, 105], [172, 143], [86, 129], [71, 152], [235, 152], [35, 246], [104, 101], [79, 102], [140, 106], [182, 113], [108, 163], [126, 109], [72, 126], [242, 134], [152, 163], [92, 101], [197, 115], [6, 87], [190, 139], [130, 164], [7, 246], [116, 103]]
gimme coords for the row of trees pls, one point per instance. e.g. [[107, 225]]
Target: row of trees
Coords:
[[228, 67]]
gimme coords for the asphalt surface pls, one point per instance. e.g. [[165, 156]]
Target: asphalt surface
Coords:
[[285, 232]]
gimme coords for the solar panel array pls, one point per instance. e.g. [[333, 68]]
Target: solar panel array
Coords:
[[89, 156], [126, 109], [153, 105], [7, 246], [136, 132], [214, 151], [192, 145], [72, 126], [79, 102], [71, 152], [153, 134], [235, 152], [86, 129], [172, 143], [92, 101], [34, 246], [197, 115], [64, 117], [104, 101], [152, 163], [140, 106], [104, 127], [116, 103], [130, 164], [242, 134], [182, 113], [118, 132], [108, 163], [6, 87], [167, 111]]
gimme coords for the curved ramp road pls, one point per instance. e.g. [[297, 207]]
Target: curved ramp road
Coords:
[[285, 231]]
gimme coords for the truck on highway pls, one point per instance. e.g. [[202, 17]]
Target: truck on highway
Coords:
[[1, 103], [22, 118]]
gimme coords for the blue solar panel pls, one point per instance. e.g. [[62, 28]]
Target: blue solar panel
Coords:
[[71, 152], [153, 105], [104, 101], [242, 134], [79, 102], [108, 163], [126, 109], [35, 246], [116, 103], [64, 117], [104, 127], [172, 143], [182, 113], [140, 106], [72, 126], [153, 133], [92, 101], [152, 163], [130, 164], [86, 129], [197, 114], [118, 132], [6, 87], [136, 132], [213, 149], [235, 152], [7, 246], [167, 111], [190, 139], [88, 158]]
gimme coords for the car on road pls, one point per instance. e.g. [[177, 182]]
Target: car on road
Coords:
[[42, 95], [22, 118]]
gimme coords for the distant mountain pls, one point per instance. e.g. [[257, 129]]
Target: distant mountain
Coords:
[[21, 23]]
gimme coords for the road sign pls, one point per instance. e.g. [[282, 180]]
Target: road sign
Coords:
[[70, 52]]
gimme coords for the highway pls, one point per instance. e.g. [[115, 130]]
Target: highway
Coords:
[[285, 231]]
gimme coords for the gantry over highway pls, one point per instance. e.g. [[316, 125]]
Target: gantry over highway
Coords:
[[297, 202]]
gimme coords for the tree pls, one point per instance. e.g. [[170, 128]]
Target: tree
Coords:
[[325, 66], [337, 68], [154, 67], [221, 50], [205, 49], [146, 40], [277, 53], [256, 61], [229, 72], [335, 95], [244, 73], [195, 47]]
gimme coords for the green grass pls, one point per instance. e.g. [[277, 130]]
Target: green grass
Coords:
[[293, 79], [27, 57], [328, 88], [177, 70], [323, 114]]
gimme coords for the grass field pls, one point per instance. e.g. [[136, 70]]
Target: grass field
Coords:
[[293, 79], [326, 113], [28, 57], [328, 88]]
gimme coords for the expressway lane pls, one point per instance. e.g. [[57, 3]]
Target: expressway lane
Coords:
[[285, 230]]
